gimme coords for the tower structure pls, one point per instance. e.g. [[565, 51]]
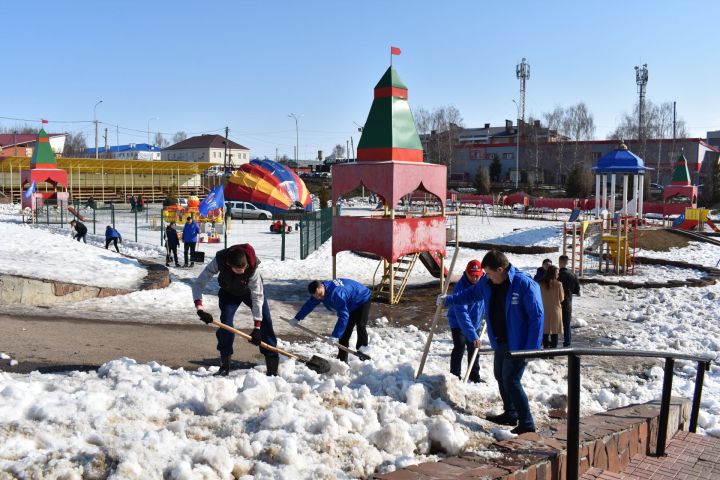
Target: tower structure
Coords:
[[680, 188], [390, 164], [43, 169], [522, 72], [641, 79]]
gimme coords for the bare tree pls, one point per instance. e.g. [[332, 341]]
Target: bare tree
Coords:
[[442, 126], [576, 123], [338, 152], [160, 140], [179, 137], [75, 145]]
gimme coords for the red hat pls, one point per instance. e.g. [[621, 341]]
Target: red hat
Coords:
[[474, 267]]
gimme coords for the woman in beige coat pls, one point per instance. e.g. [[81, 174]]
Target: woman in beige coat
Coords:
[[552, 296]]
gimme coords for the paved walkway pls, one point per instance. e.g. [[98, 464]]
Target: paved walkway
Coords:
[[689, 457]]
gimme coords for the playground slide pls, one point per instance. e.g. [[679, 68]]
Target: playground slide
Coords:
[[712, 225], [76, 213], [431, 260], [686, 225]]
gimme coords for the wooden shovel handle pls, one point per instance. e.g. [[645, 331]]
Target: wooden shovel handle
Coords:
[[248, 337], [336, 344]]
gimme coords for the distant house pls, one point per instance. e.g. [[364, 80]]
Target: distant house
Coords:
[[22, 144], [131, 151], [208, 149]]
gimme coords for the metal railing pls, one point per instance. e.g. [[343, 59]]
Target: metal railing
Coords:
[[573, 409]]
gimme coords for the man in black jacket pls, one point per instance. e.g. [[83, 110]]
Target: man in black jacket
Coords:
[[571, 287], [171, 244], [80, 230], [240, 282]]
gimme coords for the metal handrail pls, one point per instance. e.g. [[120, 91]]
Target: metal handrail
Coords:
[[573, 409]]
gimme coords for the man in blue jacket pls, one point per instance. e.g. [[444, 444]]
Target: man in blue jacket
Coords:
[[350, 300], [112, 236], [190, 237], [515, 322], [465, 321]]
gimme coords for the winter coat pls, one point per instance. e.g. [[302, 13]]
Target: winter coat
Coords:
[[467, 318], [552, 305], [570, 284], [231, 282], [171, 237], [190, 232], [80, 228], [539, 274], [112, 233], [342, 295], [523, 309]]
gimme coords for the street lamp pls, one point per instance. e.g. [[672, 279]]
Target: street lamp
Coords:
[[517, 147], [96, 127], [297, 141], [148, 128]]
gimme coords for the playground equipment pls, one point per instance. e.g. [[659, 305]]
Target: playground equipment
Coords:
[[680, 194], [390, 164], [629, 166], [43, 172], [270, 186], [695, 219], [211, 227], [612, 239]]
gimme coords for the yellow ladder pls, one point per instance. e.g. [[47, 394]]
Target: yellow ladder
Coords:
[[395, 278]]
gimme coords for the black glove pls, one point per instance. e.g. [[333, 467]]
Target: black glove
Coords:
[[255, 337], [205, 316]]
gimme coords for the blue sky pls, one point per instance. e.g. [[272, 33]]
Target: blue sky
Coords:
[[199, 66]]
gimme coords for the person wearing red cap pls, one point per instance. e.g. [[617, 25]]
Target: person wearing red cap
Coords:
[[465, 322]]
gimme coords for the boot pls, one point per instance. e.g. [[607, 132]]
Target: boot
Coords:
[[224, 366], [272, 366]]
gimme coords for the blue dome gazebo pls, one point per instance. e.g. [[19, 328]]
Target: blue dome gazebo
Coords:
[[620, 161]]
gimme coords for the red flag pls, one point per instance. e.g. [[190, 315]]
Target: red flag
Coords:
[[394, 51], [44, 121]]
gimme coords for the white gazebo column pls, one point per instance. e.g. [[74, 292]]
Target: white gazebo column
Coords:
[[612, 193], [641, 191], [597, 195], [604, 192], [625, 194]]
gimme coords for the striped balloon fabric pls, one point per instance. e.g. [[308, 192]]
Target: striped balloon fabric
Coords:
[[270, 186]]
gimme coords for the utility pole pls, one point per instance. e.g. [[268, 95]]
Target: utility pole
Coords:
[[106, 143], [352, 146], [297, 141], [96, 127], [224, 181], [347, 150]]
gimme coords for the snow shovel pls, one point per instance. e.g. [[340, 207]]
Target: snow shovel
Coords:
[[474, 355], [362, 356], [316, 364]]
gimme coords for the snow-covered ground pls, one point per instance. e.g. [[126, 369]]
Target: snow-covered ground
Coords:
[[149, 421]]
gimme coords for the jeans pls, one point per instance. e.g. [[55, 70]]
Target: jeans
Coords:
[[567, 317], [508, 373], [358, 318], [460, 344], [171, 252], [228, 306]]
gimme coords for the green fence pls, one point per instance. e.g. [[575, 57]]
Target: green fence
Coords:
[[315, 229]]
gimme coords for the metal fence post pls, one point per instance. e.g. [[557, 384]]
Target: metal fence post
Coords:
[[162, 229], [136, 213], [94, 221], [699, 379], [665, 407], [112, 214], [282, 241], [573, 415], [302, 243]]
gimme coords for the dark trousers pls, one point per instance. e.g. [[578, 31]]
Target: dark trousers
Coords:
[[191, 247], [228, 306], [567, 317], [550, 340], [358, 318], [460, 344], [81, 236], [114, 241], [171, 251], [508, 373]]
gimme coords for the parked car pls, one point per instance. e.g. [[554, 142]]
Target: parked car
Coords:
[[656, 188], [248, 210]]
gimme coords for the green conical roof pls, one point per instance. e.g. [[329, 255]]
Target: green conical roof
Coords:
[[681, 174], [42, 154], [389, 132], [390, 79]]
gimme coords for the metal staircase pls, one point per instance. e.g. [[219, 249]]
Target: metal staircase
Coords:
[[395, 278]]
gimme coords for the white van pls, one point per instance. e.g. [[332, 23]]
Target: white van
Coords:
[[247, 210]]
